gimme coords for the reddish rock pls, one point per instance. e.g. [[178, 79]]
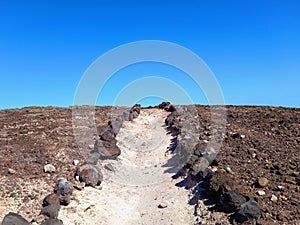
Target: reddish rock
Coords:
[[107, 150], [51, 211], [90, 175], [51, 199], [14, 219]]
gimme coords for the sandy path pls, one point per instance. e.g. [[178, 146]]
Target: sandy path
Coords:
[[132, 193]]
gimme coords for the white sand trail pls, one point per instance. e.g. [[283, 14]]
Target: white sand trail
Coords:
[[131, 195]]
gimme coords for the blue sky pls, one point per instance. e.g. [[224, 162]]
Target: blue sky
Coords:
[[252, 47]]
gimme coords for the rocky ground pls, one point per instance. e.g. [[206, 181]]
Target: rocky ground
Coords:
[[260, 152]]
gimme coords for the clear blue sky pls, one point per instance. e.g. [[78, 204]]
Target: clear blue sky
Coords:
[[252, 47]]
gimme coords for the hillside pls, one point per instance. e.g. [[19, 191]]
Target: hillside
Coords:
[[258, 142]]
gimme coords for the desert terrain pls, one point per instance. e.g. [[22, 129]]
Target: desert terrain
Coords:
[[258, 155]]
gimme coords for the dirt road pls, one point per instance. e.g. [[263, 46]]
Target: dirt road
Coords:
[[139, 190]]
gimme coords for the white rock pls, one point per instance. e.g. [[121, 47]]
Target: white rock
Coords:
[[228, 169], [274, 198], [261, 193], [11, 171], [162, 205], [75, 162], [49, 168], [243, 136], [280, 187]]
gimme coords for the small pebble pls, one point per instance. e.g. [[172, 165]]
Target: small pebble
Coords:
[[262, 181], [228, 169], [274, 198], [162, 205], [11, 171], [109, 167], [283, 198], [280, 187], [75, 162], [49, 168], [243, 136], [261, 193]]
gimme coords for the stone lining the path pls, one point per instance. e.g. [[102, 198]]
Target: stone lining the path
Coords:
[[105, 147], [201, 172]]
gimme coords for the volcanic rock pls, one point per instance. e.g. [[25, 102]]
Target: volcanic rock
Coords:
[[107, 150], [171, 108], [248, 211], [116, 125], [262, 181], [93, 158], [221, 183], [90, 175], [130, 116], [64, 190], [14, 219], [107, 135], [136, 108], [51, 211], [134, 114], [231, 201], [51, 199], [126, 116], [172, 119], [53, 222]]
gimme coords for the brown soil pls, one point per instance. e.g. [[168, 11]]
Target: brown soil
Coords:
[[34, 136], [29, 139], [262, 142]]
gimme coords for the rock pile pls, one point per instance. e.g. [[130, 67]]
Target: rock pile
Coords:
[[52, 202], [50, 207], [105, 147], [200, 161]]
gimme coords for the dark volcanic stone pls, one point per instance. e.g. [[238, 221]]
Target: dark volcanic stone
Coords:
[[51, 211], [134, 114], [90, 175], [221, 182], [171, 108], [14, 219], [126, 115], [109, 143], [116, 125], [172, 119], [107, 136], [107, 150], [200, 166], [93, 158], [231, 201], [164, 105], [64, 190], [51, 199], [248, 211], [130, 116], [53, 222], [136, 108]]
